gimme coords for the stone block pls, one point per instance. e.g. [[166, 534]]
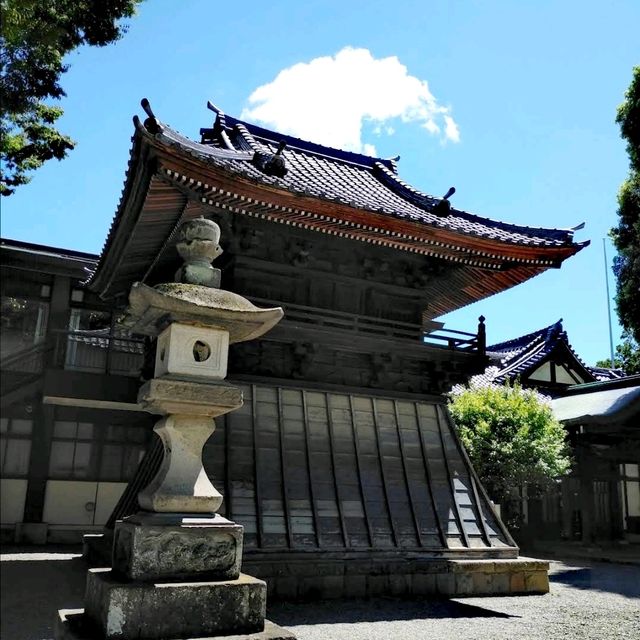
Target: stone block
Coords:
[[464, 584], [466, 566], [96, 549], [72, 624], [500, 583], [536, 581], [136, 610], [188, 350], [355, 586], [399, 584], [286, 588], [423, 584], [482, 583], [317, 569], [205, 548], [359, 567], [331, 587], [309, 589], [521, 564], [516, 582], [445, 584], [169, 396], [377, 585], [431, 565]]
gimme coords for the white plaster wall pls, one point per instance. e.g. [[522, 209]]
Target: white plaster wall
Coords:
[[73, 502], [13, 492]]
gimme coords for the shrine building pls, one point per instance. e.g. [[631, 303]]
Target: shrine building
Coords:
[[343, 448]]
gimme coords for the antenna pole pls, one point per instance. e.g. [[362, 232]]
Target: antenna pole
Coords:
[[606, 279]]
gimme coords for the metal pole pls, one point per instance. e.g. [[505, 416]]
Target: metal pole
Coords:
[[606, 279]]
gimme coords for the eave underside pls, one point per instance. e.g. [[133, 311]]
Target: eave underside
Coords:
[[147, 248]]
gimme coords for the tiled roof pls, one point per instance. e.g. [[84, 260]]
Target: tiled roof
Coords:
[[343, 177], [605, 373], [515, 357], [243, 169]]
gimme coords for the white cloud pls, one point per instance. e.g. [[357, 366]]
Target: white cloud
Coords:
[[328, 99]]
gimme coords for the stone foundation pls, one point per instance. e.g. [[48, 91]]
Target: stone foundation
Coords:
[[299, 579], [73, 624], [134, 610], [291, 576]]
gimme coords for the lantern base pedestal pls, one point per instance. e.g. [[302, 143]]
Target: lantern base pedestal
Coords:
[[154, 547], [73, 624], [174, 575]]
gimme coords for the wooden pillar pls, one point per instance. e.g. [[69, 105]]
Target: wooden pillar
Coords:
[[617, 508], [58, 309], [566, 510], [586, 500], [43, 415]]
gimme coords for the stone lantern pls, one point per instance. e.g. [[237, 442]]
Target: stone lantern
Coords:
[[176, 563]]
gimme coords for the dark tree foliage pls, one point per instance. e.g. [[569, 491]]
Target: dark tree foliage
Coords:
[[36, 35], [626, 357], [626, 236]]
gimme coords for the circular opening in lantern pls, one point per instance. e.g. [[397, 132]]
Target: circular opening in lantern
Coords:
[[201, 351]]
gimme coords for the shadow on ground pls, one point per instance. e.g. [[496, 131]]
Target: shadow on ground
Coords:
[[375, 610], [623, 580], [35, 584]]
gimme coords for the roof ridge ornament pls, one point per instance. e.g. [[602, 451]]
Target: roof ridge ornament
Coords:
[[276, 165], [273, 164], [443, 208], [220, 122], [152, 124]]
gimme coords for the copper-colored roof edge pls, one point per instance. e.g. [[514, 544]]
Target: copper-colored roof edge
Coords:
[[473, 244], [154, 127], [393, 181], [523, 230]]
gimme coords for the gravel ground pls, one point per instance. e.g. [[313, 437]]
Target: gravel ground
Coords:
[[587, 601], [593, 600]]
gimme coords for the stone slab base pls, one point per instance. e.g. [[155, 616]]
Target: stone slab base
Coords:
[[307, 579], [131, 610], [157, 547], [96, 549], [72, 624]]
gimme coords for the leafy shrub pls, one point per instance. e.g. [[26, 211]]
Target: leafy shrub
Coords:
[[511, 437]]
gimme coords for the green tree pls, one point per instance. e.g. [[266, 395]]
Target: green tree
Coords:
[[511, 437], [626, 235], [626, 357], [36, 35]]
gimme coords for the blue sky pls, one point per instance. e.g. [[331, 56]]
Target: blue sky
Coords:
[[532, 87]]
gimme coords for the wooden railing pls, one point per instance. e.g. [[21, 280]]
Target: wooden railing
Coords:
[[460, 340], [29, 360], [381, 327], [23, 368], [331, 319]]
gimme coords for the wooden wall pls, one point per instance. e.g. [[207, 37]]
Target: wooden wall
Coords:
[[308, 469]]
